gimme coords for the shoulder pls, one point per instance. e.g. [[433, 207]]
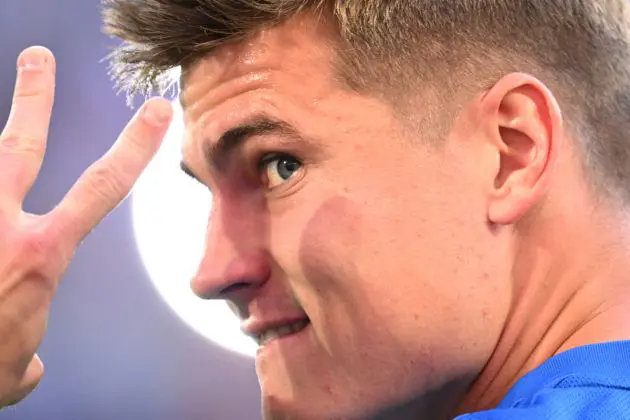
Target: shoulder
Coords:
[[573, 397]]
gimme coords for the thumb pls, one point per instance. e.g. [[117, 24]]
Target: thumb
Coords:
[[32, 376]]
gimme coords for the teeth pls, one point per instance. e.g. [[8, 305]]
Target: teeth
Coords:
[[275, 333]]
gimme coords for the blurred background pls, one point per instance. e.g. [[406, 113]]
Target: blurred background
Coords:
[[114, 348]]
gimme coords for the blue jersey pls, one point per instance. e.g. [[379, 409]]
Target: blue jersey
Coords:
[[585, 383]]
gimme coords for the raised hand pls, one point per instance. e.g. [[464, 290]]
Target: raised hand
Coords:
[[35, 250]]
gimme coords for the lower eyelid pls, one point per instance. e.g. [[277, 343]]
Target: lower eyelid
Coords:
[[293, 185]]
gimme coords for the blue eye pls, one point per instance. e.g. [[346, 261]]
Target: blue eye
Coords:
[[278, 169]]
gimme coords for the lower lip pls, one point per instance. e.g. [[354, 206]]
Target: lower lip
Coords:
[[287, 342]]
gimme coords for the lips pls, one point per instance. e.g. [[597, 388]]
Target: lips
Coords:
[[271, 334], [265, 332]]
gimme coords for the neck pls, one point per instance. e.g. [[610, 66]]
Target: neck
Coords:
[[572, 288]]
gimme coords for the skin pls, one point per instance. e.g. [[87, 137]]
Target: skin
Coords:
[[337, 236], [36, 249], [434, 276]]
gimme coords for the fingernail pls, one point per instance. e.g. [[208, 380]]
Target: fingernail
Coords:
[[34, 58], [158, 112]]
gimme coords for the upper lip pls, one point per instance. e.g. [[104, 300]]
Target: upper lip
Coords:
[[255, 327]]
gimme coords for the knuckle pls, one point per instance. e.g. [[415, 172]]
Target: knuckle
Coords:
[[32, 85], [37, 244], [20, 143], [106, 182], [40, 248], [136, 146], [38, 260], [29, 91]]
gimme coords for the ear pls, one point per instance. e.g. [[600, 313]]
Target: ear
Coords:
[[523, 124]]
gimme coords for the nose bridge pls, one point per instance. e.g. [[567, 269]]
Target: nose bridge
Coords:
[[238, 224], [235, 248]]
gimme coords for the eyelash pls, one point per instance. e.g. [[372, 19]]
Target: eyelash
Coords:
[[267, 157], [264, 158]]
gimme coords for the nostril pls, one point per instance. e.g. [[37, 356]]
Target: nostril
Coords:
[[230, 277], [227, 293], [234, 289]]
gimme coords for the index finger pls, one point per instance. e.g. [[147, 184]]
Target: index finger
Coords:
[[109, 180]]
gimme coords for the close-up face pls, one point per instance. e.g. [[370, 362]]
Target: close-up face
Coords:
[[358, 255]]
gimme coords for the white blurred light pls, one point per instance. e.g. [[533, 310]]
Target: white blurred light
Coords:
[[170, 214]]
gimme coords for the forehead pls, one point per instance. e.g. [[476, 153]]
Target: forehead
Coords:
[[287, 74], [300, 49]]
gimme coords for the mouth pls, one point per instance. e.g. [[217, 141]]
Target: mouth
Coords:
[[275, 333]]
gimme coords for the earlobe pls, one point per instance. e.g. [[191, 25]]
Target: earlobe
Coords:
[[511, 207], [525, 132]]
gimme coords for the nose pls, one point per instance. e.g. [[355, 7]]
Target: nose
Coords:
[[234, 265]]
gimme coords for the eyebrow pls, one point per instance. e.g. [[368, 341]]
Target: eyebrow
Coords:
[[218, 154]]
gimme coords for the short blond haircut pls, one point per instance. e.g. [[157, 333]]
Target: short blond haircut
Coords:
[[579, 48]]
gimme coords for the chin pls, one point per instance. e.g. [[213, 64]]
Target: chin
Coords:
[[308, 409], [322, 406]]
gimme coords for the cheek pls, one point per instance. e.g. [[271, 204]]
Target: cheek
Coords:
[[394, 289], [337, 272], [327, 250], [414, 269], [321, 251]]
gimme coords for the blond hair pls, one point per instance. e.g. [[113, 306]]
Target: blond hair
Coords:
[[579, 48]]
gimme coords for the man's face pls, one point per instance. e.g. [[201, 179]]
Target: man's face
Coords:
[[326, 209]]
